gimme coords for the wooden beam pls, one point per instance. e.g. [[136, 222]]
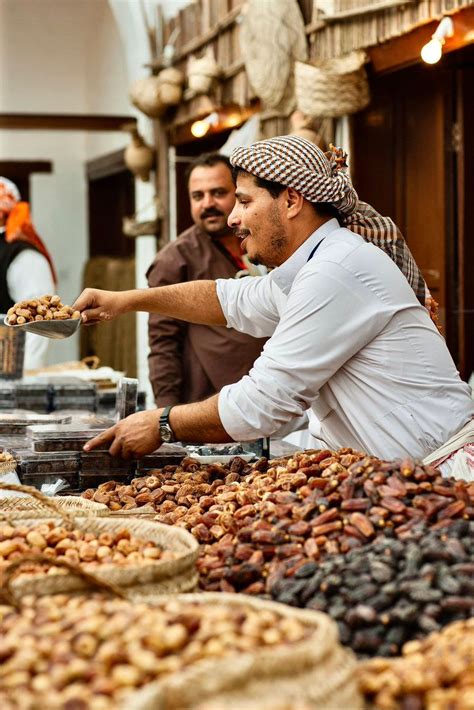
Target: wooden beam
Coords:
[[182, 133], [106, 165], [54, 122], [405, 50], [24, 168]]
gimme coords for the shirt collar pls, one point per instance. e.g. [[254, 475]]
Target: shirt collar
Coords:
[[284, 275]]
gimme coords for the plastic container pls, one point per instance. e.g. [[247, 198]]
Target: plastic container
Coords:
[[31, 462], [7, 394], [61, 437], [166, 455], [15, 423], [103, 461], [40, 479], [12, 352], [219, 453], [127, 397], [92, 479]]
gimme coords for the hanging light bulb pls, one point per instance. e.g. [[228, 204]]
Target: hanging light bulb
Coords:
[[200, 128], [432, 51]]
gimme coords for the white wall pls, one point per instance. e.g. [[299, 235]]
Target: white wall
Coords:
[[61, 57], [74, 57]]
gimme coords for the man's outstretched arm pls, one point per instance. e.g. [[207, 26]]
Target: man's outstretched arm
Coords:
[[194, 301], [138, 434]]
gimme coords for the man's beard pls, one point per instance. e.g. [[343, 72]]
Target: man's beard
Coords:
[[278, 243]]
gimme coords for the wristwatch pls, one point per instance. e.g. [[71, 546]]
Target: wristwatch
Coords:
[[166, 433]]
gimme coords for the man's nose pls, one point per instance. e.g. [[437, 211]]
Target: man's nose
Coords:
[[232, 219], [208, 200]]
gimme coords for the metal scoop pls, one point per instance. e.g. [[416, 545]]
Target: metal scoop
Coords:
[[56, 329]]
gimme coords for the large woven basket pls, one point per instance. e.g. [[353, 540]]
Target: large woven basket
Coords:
[[316, 672], [332, 87], [34, 507], [167, 576], [272, 36]]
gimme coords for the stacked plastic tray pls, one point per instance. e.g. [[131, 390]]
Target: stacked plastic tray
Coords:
[[70, 393], [7, 395], [32, 395], [93, 468], [36, 469], [99, 466]]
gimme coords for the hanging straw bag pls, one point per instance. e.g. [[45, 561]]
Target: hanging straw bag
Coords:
[[333, 87], [314, 672], [272, 36], [163, 576]]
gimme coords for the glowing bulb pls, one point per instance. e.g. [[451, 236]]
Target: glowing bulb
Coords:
[[233, 119], [432, 51], [200, 128]]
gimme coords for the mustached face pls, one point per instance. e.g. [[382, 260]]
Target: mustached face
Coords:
[[211, 196], [258, 219]]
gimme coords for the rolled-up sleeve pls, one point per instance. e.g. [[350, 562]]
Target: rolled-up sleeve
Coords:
[[248, 305], [326, 320]]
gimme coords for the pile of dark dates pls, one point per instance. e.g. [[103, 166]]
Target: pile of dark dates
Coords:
[[391, 591]]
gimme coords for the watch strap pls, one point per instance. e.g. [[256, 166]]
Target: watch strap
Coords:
[[165, 416]]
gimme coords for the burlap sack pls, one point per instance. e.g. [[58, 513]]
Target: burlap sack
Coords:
[[314, 673], [169, 575]]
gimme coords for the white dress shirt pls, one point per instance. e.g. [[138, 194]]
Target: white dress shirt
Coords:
[[29, 276], [349, 342]]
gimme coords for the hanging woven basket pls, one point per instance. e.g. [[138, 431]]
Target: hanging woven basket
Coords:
[[134, 226], [332, 87], [272, 37]]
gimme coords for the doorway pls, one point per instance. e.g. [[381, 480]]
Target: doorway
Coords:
[[408, 161], [111, 264]]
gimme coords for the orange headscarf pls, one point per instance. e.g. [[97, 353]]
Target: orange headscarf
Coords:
[[19, 226]]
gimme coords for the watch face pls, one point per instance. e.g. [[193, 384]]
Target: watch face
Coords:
[[165, 434]]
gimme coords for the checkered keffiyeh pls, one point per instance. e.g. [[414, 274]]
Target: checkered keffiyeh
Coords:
[[324, 177]]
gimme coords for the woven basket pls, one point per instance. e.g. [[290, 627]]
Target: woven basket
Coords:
[[7, 467], [333, 87], [169, 575], [314, 673], [272, 36], [12, 352], [36, 508]]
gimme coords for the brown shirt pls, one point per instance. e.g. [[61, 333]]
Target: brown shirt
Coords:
[[188, 362]]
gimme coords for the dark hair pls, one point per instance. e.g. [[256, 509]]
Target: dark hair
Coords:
[[207, 160], [322, 209]]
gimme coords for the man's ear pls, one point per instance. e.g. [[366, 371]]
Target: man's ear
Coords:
[[294, 202]]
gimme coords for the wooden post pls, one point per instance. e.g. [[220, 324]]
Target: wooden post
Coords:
[[160, 139]]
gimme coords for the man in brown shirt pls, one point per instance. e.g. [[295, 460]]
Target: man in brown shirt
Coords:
[[189, 362]]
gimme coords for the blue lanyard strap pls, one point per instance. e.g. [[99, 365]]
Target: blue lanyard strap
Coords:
[[313, 252]]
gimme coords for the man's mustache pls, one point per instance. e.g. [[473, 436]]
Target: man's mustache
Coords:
[[211, 212], [241, 233]]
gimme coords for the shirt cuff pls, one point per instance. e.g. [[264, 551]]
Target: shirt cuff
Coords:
[[232, 419], [221, 292]]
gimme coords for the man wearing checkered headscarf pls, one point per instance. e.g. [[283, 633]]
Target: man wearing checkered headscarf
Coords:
[[350, 342], [324, 177]]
